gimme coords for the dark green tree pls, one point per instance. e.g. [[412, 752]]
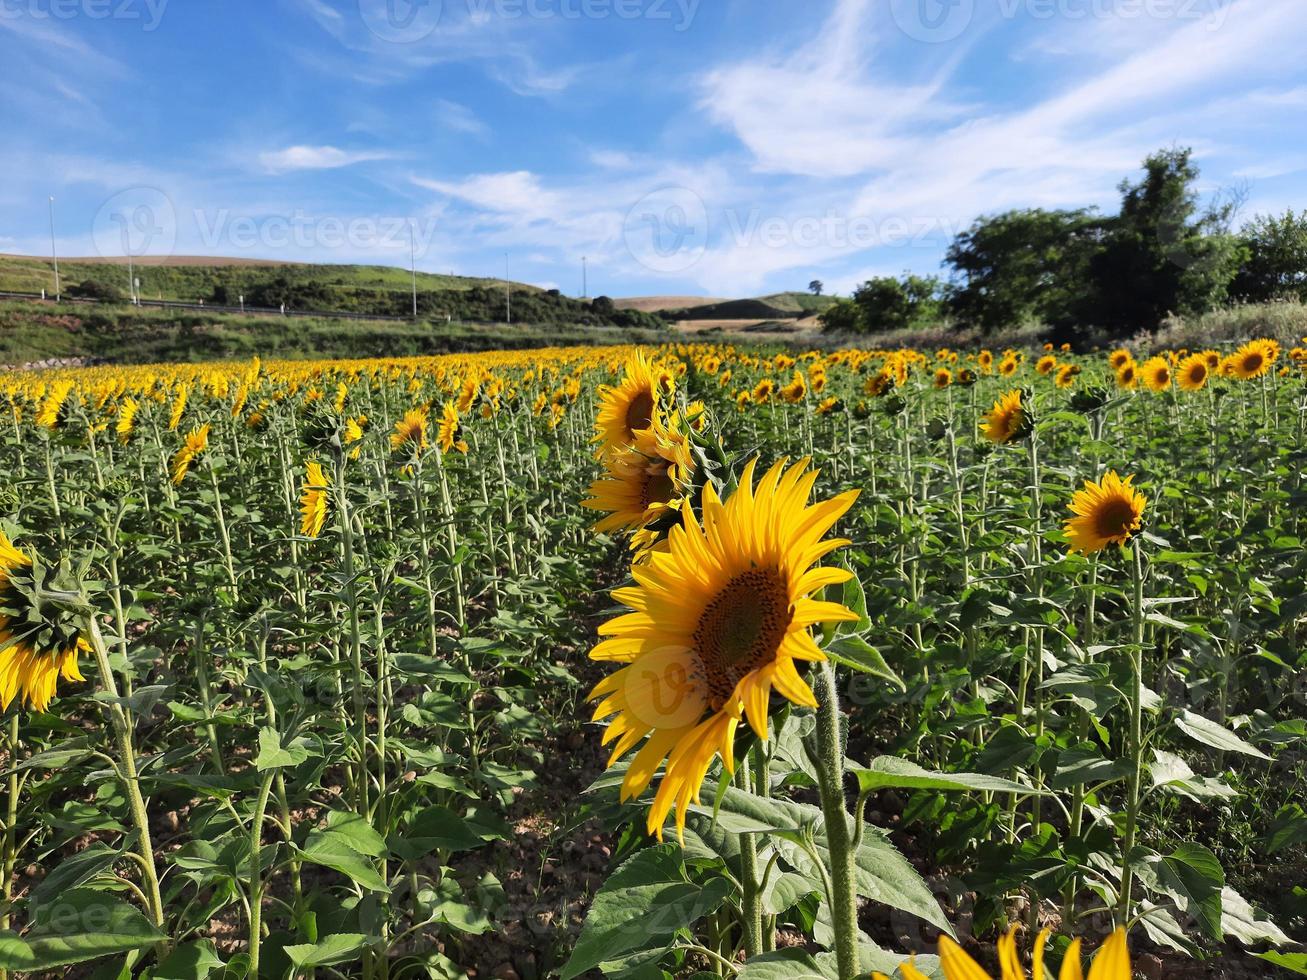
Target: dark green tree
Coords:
[[843, 317], [1022, 265], [1164, 253], [887, 303], [1276, 266]]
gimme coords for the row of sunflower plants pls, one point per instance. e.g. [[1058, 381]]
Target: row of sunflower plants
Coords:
[[272, 638], [1042, 664]]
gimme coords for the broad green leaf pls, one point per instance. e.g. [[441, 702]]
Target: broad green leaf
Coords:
[[642, 907], [1294, 962], [79, 925], [343, 947], [435, 828], [1240, 920], [857, 654], [274, 754], [1209, 733], [1172, 774], [190, 961], [888, 772]]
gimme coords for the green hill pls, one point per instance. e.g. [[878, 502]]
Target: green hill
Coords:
[[363, 289], [778, 306]]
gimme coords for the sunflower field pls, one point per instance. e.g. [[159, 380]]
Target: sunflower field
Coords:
[[688, 661]]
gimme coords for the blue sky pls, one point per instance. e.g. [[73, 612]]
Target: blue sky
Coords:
[[710, 147]]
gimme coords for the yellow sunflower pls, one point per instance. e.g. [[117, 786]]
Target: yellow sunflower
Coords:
[[197, 441], [1253, 359], [50, 415], [1112, 962], [718, 619], [1193, 373], [1066, 375], [1127, 376], [796, 390], [943, 377], [411, 431], [1048, 363], [1008, 366], [1119, 358], [986, 361], [1157, 374], [448, 435], [34, 653], [630, 406], [1007, 420], [1109, 512], [314, 500], [126, 424]]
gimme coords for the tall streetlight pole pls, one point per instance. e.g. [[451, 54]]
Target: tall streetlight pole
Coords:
[[54, 252], [585, 279], [413, 264]]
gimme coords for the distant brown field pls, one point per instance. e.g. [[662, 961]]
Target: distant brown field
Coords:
[[654, 304]]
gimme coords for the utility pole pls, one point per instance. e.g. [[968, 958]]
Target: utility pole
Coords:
[[54, 252], [131, 275], [413, 262], [508, 290], [585, 279]]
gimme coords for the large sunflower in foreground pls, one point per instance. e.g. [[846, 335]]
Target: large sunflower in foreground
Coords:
[[717, 621], [34, 652], [1108, 512], [1007, 420], [1111, 963], [630, 406]]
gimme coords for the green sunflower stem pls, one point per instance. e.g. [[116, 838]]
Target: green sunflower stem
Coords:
[[749, 881], [843, 869], [1135, 745], [12, 743], [127, 771]]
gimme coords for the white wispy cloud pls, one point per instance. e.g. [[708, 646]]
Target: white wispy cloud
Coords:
[[315, 158]]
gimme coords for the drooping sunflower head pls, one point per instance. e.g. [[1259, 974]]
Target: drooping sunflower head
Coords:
[[126, 424], [1107, 512], [631, 405], [40, 630], [718, 620], [1008, 420], [314, 500], [197, 441], [53, 411], [449, 435], [1112, 962], [1157, 374], [1193, 373]]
